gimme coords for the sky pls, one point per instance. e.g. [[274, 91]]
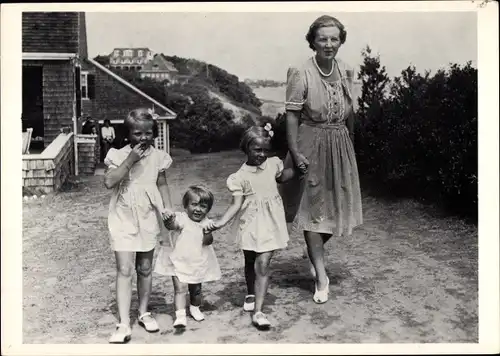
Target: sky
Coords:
[[263, 45]]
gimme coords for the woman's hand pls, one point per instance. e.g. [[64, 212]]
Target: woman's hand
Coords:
[[301, 162]]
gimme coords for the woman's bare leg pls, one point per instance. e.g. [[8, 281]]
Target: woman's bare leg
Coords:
[[316, 251]]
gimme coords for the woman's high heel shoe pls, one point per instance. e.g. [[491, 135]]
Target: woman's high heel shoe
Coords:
[[321, 296]]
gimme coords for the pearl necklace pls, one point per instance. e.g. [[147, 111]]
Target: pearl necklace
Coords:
[[320, 71]]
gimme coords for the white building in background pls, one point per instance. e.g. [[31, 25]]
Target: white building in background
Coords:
[[145, 61]]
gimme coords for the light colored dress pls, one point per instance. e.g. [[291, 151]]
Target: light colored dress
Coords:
[[185, 256], [134, 210], [328, 199], [260, 224]]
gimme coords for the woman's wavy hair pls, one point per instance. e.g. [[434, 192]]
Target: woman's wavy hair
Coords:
[[325, 21], [137, 115]]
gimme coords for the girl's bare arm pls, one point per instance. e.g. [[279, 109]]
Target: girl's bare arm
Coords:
[[286, 175], [113, 176], [164, 189], [168, 214], [230, 213]]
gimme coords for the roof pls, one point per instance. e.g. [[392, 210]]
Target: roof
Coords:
[[135, 51], [170, 113], [50, 32], [162, 65]]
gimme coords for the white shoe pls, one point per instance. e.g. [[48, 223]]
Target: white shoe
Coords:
[[321, 296], [196, 313], [121, 335], [249, 306], [180, 319]]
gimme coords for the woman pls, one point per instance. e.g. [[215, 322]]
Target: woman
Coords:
[[108, 136], [319, 119]]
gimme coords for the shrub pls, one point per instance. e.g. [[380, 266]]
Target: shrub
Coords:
[[422, 139]]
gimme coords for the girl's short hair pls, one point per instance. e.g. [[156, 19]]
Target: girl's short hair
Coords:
[[251, 134], [325, 21], [203, 193], [140, 115]]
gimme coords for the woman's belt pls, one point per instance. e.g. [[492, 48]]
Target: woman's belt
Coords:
[[326, 126]]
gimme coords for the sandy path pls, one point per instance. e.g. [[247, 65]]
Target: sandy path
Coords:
[[407, 275]]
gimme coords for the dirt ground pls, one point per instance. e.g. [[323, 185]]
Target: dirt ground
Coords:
[[409, 274]]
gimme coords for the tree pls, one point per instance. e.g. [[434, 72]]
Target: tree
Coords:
[[374, 81]]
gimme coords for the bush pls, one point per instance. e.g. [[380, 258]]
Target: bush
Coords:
[[422, 139]]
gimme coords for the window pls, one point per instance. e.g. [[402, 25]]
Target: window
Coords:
[[87, 84], [127, 53], [84, 85], [116, 53], [140, 53]]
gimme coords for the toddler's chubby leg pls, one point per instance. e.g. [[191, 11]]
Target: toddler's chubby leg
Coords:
[[180, 290], [195, 302]]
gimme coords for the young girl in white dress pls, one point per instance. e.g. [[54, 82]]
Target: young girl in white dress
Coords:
[[137, 175], [189, 256], [259, 213]]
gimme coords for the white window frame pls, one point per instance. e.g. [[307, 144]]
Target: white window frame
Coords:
[[116, 53], [84, 83], [140, 53], [128, 53]]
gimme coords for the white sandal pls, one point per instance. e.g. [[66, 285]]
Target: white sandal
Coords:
[[121, 335], [259, 320], [150, 325], [249, 306], [321, 296]]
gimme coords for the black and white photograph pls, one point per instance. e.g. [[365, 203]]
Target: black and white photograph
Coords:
[[277, 174]]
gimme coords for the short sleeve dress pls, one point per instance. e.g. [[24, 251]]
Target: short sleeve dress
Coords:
[[185, 256], [260, 225], [328, 199], [134, 219]]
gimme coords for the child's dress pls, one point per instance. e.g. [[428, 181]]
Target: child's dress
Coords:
[[185, 256], [260, 224], [134, 210]]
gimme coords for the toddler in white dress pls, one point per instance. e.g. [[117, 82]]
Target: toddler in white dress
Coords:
[[189, 256]]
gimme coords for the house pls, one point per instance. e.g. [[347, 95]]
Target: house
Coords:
[[130, 58], [52, 43], [146, 62], [106, 95], [59, 86], [159, 68]]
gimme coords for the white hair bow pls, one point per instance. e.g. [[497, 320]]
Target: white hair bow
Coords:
[[269, 129]]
